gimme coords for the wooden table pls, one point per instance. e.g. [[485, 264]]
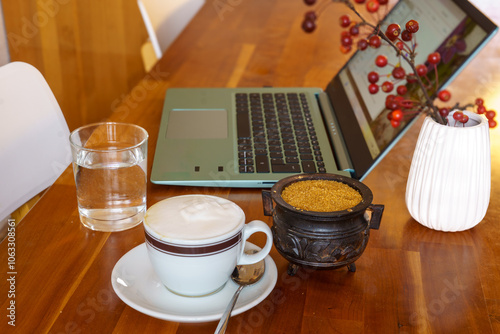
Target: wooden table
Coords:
[[410, 279]]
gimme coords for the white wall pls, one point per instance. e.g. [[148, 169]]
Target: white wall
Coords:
[[4, 50]]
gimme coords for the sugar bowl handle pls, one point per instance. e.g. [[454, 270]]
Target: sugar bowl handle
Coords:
[[374, 213], [267, 201]]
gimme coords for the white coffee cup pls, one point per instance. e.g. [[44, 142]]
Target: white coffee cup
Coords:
[[194, 242]]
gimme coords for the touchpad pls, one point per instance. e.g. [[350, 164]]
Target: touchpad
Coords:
[[197, 124]]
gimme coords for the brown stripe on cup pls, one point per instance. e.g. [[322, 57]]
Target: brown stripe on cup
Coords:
[[193, 250]]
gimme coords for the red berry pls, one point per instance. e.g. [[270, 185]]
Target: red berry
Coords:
[[389, 99], [345, 49], [406, 36], [392, 105], [397, 115], [381, 61], [308, 26], [406, 104], [309, 2], [354, 30], [311, 15], [389, 116], [398, 72], [412, 26], [401, 90], [434, 58], [444, 112], [479, 101], [373, 77], [490, 114], [481, 109], [400, 45], [346, 40], [375, 41], [411, 78], [444, 95], [387, 86], [492, 123], [394, 123], [359, 1], [421, 70], [458, 115], [344, 21], [373, 88], [372, 6], [362, 44], [393, 30]]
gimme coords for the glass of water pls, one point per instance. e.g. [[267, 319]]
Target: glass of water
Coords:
[[110, 169]]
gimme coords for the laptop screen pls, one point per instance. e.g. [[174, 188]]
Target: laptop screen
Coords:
[[453, 27]]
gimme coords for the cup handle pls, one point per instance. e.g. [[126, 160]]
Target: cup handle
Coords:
[[249, 229]]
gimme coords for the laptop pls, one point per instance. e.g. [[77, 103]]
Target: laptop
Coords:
[[242, 137]]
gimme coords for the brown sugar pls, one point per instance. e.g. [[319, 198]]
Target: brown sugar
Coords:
[[321, 195]]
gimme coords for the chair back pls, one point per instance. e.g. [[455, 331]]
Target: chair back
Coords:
[[165, 20], [34, 136]]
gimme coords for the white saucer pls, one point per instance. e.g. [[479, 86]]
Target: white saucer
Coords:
[[135, 282]]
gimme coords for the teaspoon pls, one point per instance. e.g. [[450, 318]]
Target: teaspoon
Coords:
[[242, 275]]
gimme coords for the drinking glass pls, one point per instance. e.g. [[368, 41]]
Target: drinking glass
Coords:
[[110, 170]]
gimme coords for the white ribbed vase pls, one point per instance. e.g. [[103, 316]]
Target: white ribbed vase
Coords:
[[449, 183]]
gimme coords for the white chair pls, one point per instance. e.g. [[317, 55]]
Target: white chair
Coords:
[[34, 144], [164, 21]]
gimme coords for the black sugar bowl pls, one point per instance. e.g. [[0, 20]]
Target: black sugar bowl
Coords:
[[321, 240]]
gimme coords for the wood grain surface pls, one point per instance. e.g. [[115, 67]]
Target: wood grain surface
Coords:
[[410, 279], [88, 51]]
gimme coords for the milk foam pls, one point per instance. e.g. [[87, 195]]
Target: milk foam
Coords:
[[194, 217]]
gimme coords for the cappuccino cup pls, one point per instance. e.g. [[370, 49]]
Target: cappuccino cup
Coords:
[[194, 242]]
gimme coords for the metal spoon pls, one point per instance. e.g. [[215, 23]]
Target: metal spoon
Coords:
[[242, 275]]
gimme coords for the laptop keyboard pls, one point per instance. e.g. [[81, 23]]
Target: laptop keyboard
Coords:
[[276, 134]]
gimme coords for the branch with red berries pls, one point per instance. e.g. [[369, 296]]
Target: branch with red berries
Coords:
[[404, 43]]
